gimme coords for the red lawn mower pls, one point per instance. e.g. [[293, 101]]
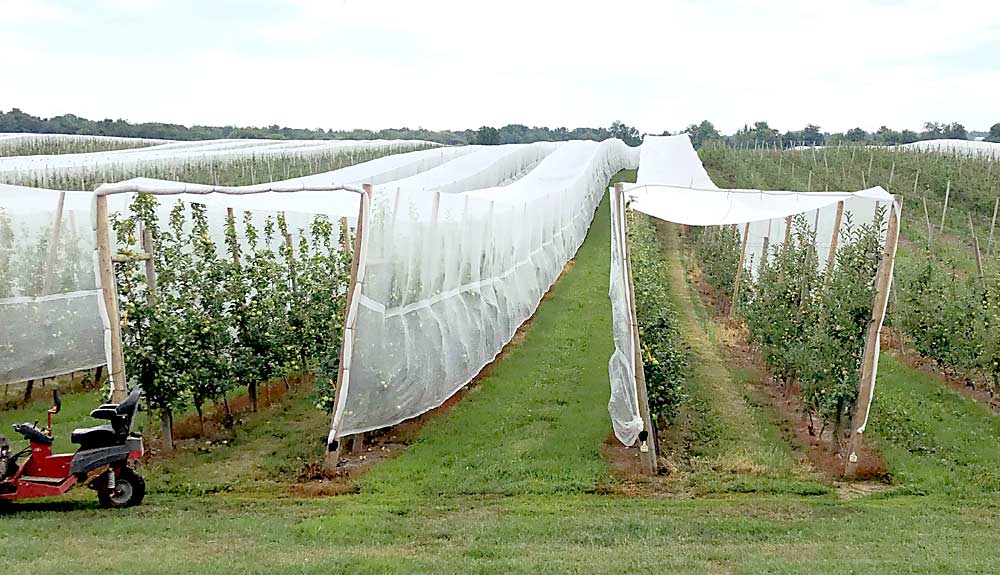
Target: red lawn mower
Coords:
[[101, 462]]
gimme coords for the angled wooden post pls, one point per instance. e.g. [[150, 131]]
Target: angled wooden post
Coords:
[[54, 235], [291, 261], [345, 236], [930, 228], [944, 212], [993, 225], [975, 244], [149, 249], [788, 234], [831, 258], [866, 384], [109, 291], [647, 456], [336, 445], [767, 241], [739, 271]]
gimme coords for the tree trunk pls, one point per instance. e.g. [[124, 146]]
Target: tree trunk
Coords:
[[229, 411], [835, 439], [167, 430], [201, 416], [252, 389], [27, 390], [97, 376]]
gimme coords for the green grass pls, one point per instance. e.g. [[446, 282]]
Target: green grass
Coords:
[[262, 455], [725, 439], [75, 413], [934, 439], [510, 481], [535, 424]]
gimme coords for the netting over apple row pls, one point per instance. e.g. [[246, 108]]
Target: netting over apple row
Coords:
[[179, 152], [975, 148], [50, 301], [445, 280], [45, 342], [28, 144], [672, 185], [50, 319], [214, 162]]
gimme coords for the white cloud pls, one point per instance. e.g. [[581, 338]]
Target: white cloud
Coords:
[[26, 11]]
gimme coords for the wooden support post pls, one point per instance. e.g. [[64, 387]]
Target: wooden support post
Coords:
[[357, 443], [975, 244], [648, 457], [109, 290], [149, 249], [831, 258], [291, 261], [345, 236], [335, 448], [993, 225], [50, 261], [767, 240], [231, 222], [739, 271], [944, 212], [788, 234], [866, 385], [930, 228]]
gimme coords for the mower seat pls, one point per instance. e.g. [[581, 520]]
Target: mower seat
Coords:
[[94, 437], [115, 433]]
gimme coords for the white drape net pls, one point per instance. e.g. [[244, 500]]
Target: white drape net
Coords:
[[672, 185], [63, 329], [459, 246], [50, 321], [445, 279]]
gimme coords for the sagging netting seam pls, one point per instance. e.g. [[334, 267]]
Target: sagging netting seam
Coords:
[[53, 297]]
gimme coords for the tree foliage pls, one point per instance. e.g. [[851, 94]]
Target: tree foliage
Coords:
[[702, 133], [810, 328], [487, 136], [663, 353], [221, 317], [628, 134], [994, 135]]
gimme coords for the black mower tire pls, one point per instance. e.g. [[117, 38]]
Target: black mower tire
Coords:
[[129, 491]]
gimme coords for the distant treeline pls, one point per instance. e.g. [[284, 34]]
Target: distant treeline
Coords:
[[18, 121], [759, 132], [762, 133]]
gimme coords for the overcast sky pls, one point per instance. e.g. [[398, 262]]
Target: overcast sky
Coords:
[[658, 65]]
